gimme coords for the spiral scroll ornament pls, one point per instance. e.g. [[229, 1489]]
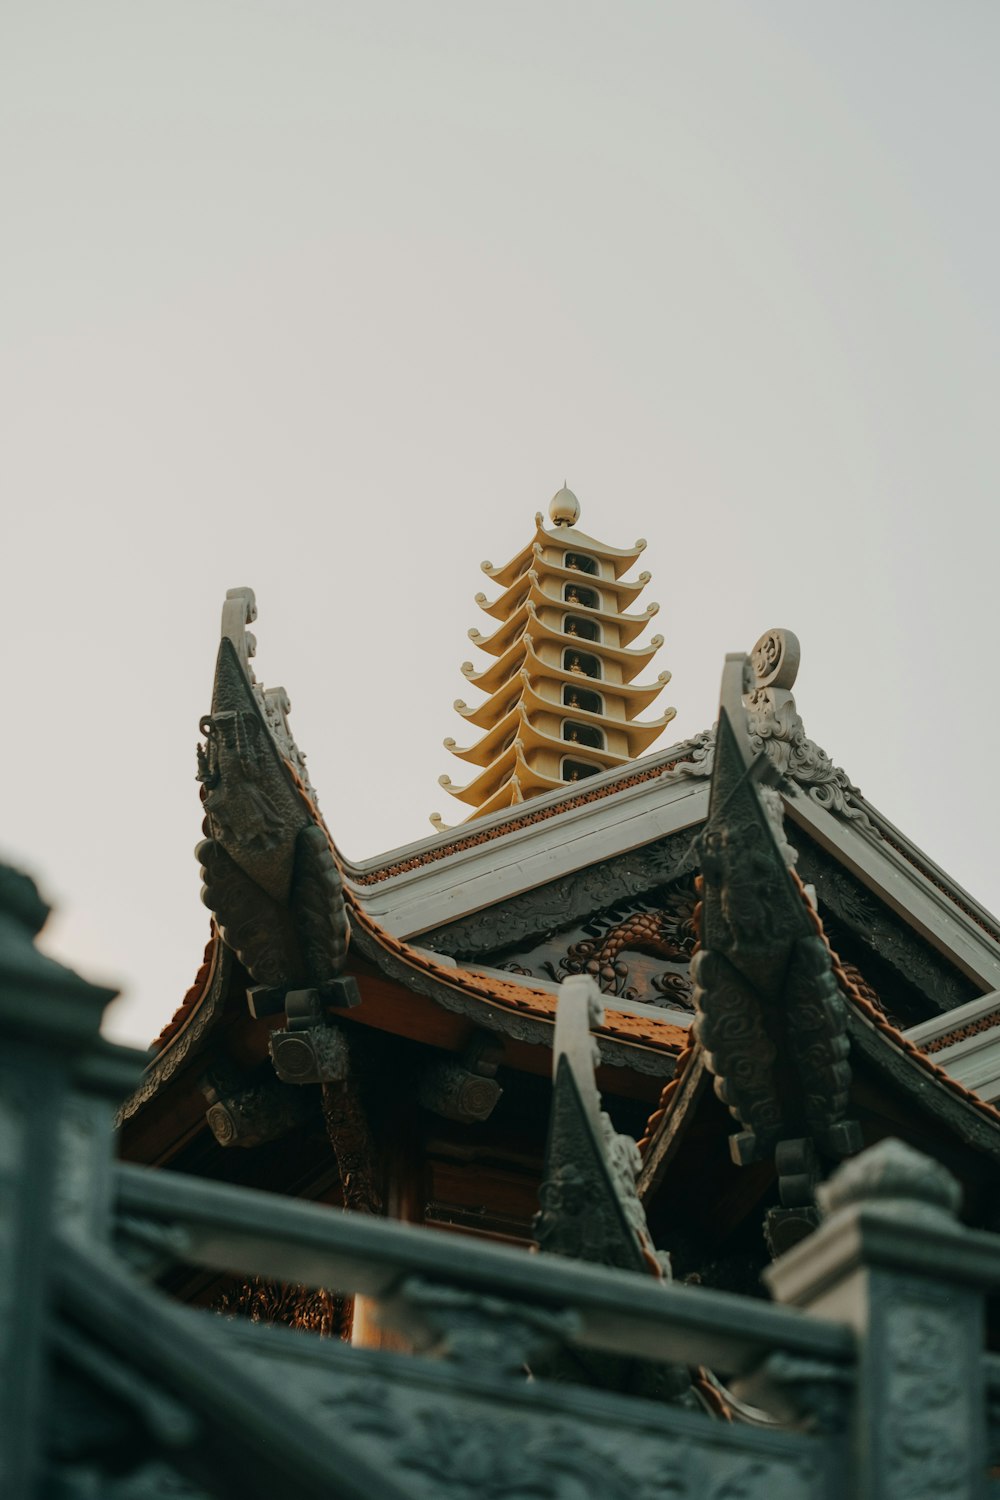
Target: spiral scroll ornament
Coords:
[[775, 659], [777, 731]]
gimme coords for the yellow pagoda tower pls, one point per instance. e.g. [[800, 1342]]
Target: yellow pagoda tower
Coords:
[[561, 695]]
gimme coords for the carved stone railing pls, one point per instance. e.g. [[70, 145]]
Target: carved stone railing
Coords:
[[226, 1228], [871, 1380]]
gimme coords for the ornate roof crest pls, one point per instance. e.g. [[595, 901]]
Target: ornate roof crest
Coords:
[[777, 731], [239, 611]]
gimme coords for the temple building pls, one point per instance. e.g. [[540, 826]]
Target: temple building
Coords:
[[696, 1015], [379, 1035]]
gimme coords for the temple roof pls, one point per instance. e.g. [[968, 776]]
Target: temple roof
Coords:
[[437, 929]]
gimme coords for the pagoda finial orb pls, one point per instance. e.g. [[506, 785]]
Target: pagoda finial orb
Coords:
[[564, 507]]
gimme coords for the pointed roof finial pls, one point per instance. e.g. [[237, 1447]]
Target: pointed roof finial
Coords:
[[564, 507]]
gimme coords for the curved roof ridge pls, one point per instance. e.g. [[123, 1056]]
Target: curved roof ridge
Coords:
[[852, 992]]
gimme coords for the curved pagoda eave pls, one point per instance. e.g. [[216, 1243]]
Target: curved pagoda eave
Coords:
[[483, 789], [628, 626], [497, 706], [532, 779], [640, 694], [505, 635], [630, 660], [534, 738], [500, 671], [486, 749], [571, 540], [488, 780], [510, 794], [624, 590], [638, 734], [520, 562], [511, 626], [504, 605]]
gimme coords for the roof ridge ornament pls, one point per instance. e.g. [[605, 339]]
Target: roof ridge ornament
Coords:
[[590, 1208], [776, 730], [770, 1016], [270, 873], [564, 507], [239, 611]]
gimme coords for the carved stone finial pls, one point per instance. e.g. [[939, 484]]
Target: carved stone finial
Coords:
[[775, 659], [589, 1205], [270, 875], [580, 1009], [777, 731], [239, 611], [892, 1171]]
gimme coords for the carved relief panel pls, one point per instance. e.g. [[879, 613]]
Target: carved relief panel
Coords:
[[638, 949]]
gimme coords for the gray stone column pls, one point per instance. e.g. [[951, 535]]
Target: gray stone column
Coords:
[[48, 1017], [104, 1075], [892, 1262]]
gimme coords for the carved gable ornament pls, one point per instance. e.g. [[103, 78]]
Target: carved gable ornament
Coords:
[[638, 949], [777, 731]]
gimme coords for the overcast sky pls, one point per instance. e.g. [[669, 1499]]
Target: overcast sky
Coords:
[[328, 298]]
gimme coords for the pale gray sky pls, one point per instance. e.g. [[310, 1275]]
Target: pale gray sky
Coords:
[[327, 298]]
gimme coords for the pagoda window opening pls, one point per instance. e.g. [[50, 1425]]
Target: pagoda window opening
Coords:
[[577, 770], [582, 699], [581, 663], [582, 734], [587, 630], [581, 563], [575, 593]]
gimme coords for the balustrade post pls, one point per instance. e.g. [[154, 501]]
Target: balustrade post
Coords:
[[892, 1262], [103, 1076], [48, 1017]]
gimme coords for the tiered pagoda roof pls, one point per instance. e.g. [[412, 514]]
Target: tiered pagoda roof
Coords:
[[561, 696]]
